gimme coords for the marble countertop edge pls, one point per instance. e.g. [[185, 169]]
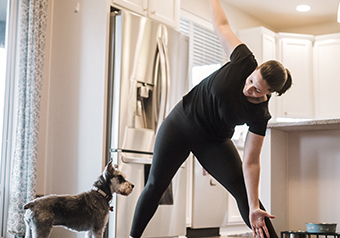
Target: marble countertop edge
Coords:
[[322, 124]]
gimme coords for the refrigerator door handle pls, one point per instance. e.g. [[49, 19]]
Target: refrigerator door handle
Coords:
[[167, 67], [156, 102], [136, 160], [164, 83], [140, 160]]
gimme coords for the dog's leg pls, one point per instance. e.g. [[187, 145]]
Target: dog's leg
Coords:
[[28, 233], [89, 234], [94, 234], [28, 219], [98, 235], [41, 231]]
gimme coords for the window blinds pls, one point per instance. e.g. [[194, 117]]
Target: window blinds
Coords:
[[204, 46], [204, 50]]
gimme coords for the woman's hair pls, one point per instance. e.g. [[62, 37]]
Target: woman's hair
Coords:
[[277, 77]]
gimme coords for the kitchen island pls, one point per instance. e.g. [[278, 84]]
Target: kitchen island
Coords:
[[300, 164]]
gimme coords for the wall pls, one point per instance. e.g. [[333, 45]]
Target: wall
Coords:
[[42, 149], [60, 117], [72, 135], [74, 90]]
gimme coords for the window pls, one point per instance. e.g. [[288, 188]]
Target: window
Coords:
[[8, 16], [205, 51], [3, 56]]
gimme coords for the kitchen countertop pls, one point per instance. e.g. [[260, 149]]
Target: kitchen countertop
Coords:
[[308, 125]]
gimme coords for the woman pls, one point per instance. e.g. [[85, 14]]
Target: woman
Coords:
[[203, 123]]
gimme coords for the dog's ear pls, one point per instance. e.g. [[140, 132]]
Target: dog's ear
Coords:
[[115, 166], [108, 170]]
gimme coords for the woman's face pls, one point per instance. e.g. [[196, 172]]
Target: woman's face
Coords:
[[255, 86]]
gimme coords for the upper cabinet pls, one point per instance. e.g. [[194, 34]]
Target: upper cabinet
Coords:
[[294, 51], [166, 12], [327, 76], [139, 6], [261, 42]]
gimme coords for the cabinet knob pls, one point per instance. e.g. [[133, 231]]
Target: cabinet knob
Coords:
[[212, 183], [145, 9], [153, 12]]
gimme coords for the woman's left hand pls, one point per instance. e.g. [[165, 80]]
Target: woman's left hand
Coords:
[[258, 224]]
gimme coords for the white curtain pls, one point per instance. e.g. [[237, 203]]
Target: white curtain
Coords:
[[31, 48]]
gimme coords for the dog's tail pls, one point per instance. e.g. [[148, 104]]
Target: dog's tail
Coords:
[[28, 205]]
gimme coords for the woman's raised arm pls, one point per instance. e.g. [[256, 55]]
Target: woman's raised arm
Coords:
[[222, 28]]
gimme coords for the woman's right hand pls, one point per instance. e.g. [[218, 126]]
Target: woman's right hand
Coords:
[[258, 224]]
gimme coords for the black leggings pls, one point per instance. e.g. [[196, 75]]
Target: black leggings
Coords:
[[175, 139]]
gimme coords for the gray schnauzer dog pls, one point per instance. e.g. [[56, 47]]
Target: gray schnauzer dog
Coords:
[[87, 211]]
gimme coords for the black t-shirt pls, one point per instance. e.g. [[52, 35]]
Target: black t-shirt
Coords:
[[217, 104]]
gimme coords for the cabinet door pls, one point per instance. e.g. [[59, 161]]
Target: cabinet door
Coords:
[[139, 6], [326, 75], [209, 210], [166, 12], [269, 53], [268, 48], [296, 55], [260, 41]]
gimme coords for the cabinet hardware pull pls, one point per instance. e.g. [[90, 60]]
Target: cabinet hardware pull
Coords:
[[212, 183]]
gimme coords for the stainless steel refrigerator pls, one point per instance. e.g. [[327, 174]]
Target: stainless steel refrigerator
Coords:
[[147, 77]]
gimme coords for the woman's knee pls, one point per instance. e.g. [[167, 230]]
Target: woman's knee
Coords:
[[156, 188]]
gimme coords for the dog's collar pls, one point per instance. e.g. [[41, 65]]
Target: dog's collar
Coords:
[[104, 194]]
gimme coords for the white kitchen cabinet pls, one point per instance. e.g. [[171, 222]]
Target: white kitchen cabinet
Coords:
[[166, 12], [262, 43], [210, 209], [139, 6], [326, 76], [295, 53]]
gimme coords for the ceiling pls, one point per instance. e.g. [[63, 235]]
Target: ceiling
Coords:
[[281, 14]]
